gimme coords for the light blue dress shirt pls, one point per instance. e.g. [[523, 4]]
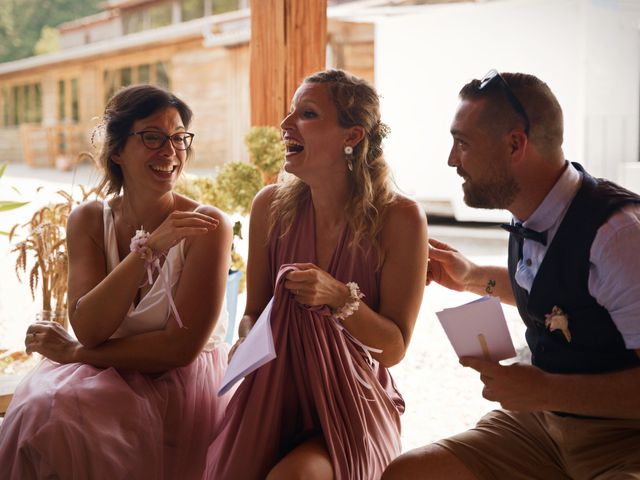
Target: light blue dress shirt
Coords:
[[614, 274]]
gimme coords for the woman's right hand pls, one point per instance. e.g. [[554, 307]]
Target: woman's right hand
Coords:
[[448, 267], [51, 340], [177, 226]]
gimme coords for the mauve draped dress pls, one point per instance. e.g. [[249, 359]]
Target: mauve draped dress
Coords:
[[310, 388]]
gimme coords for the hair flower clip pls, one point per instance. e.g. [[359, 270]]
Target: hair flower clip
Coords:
[[558, 320]]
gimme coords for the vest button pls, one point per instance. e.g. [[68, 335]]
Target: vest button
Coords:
[[528, 262]]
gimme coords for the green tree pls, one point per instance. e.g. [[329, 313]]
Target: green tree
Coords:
[[22, 22], [49, 41]]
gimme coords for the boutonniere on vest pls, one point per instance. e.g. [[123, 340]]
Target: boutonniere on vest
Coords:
[[558, 320]]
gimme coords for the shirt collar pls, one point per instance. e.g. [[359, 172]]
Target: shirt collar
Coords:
[[555, 204]]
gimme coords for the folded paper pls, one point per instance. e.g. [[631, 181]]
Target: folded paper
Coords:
[[256, 350], [478, 329]]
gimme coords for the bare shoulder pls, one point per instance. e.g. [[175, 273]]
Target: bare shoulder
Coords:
[[86, 218], [186, 204], [213, 212], [262, 200], [404, 215]]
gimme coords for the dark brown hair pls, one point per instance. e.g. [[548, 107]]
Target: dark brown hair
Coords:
[[541, 105], [123, 109]]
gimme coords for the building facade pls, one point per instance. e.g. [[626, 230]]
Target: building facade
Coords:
[[199, 49]]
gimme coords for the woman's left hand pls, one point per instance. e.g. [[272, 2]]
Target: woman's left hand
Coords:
[[313, 286], [51, 340]]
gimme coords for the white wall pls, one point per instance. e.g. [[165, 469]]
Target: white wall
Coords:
[[586, 50], [612, 91]]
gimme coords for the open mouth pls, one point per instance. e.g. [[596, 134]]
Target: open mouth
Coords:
[[163, 169], [293, 147]]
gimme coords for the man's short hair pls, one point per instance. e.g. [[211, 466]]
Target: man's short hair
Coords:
[[541, 105]]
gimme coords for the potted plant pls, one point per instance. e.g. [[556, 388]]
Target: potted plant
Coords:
[[266, 151]]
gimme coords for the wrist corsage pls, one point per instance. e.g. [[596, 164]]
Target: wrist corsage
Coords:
[[352, 304], [152, 262], [139, 245]]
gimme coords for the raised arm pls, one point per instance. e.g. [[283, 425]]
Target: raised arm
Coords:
[[451, 269], [199, 299], [99, 302], [106, 299]]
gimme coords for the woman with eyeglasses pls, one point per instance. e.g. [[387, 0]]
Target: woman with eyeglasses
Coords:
[[135, 395]]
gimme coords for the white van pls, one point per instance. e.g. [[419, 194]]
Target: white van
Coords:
[[588, 51]]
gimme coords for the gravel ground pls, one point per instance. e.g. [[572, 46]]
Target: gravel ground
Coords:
[[442, 397]]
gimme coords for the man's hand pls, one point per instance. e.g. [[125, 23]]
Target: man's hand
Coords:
[[447, 266], [517, 387]]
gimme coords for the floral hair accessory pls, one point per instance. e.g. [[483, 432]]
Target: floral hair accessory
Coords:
[[558, 320], [352, 304], [152, 262]]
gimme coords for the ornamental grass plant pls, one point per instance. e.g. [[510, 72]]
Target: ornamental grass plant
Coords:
[[41, 249]]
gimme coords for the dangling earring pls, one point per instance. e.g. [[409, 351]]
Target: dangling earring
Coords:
[[348, 155]]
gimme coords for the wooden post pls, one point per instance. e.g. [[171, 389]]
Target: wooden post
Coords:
[[288, 42]]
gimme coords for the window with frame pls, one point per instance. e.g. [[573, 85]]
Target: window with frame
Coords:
[[221, 6], [160, 15], [133, 22], [68, 100], [22, 104], [191, 9], [153, 73]]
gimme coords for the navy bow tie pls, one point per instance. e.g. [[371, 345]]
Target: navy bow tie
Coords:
[[524, 232]]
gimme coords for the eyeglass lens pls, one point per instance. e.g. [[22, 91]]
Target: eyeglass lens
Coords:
[[156, 140]]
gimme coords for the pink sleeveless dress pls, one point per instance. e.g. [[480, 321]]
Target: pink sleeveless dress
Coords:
[[311, 389], [75, 421]]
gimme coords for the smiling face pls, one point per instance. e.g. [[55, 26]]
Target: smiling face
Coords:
[[481, 157], [313, 138], [143, 167]]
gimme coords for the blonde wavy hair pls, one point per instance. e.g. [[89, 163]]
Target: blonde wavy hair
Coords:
[[370, 183]]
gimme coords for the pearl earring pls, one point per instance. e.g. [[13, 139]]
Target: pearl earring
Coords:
[[348, 154]]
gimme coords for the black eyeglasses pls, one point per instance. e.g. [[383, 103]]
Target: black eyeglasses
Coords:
[[492, 77], [156, 140]]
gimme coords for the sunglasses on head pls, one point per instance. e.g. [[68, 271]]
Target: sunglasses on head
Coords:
[[493, 77]]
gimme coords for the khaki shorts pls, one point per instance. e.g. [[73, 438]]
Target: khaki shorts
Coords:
[[507, 445]]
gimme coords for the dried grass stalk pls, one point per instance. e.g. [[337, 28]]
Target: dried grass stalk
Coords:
[[45, 245]]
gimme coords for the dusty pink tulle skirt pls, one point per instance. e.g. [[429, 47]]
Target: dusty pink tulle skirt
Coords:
[[76, 421]]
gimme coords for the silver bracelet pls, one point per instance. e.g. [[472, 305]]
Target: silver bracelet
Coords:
[[352, 304]]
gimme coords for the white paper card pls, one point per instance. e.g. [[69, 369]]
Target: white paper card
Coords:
[[478, 329], [256, 350]]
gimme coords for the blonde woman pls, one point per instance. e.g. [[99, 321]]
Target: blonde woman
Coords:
[[345, 257]]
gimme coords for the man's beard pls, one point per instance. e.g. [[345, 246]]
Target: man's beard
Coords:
[[497, 192]]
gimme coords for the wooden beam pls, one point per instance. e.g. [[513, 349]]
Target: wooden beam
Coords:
[[288, 42]]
